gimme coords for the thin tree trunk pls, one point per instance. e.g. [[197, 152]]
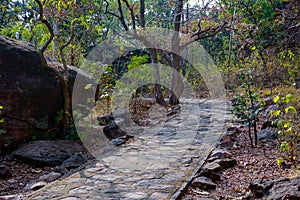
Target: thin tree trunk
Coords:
[[62, 79], [142, 13], [153, 53], [249, 132], [159, 98], [255, 130], [230, 49], [176, 83], [66, 94], [187, 18], [253, 120]]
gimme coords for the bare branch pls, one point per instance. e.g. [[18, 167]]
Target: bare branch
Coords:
[[131, 13], [209, 32], [108, 12], [47, 24], [121, 17]]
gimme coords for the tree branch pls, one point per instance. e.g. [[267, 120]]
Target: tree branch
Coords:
[[121, 17], [209, 32], [47, 24], [108, 12], [131, 13]]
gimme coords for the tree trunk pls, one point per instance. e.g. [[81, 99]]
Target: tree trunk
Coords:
[[176, 83], [142, 13], [249, 133], [67, 98], [159, 98]]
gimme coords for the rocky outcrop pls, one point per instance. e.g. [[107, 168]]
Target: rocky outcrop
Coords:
[[266, 134], [74, 161], [218, 160], [278, 189], [49, 153], [220, 153], [203, 183], [114, 122], [31, 96]]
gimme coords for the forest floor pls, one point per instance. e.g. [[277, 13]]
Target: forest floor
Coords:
[[258, 164], [22, 174], [254, 165]]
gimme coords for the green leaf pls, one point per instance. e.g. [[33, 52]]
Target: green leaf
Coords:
[[1, 120], [88, 86], [276, 99], [279, 162], [58, 118], [288, 98], [276, 113], [284, 146], [286, 125], [290, 108], [263, 103]]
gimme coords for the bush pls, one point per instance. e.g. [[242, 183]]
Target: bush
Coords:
[[287, 123]]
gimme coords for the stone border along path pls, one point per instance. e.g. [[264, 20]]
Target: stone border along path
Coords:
[[153, 166]]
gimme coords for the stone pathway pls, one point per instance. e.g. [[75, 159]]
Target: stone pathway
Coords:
[[154, 165]]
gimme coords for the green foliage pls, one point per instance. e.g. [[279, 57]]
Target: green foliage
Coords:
[[286, 120], [1, 120], [137, 61], [60, 116], [19, 20], [2, 131], [107, 82]]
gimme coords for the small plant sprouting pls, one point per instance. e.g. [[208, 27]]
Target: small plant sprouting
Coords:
[[246, 107], [60, 115]]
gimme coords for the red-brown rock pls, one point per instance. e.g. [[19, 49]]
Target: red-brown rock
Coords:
[[31, 96]]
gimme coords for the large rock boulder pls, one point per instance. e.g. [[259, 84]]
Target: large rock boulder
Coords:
[[288, 188], [113, 130], [30, 94], [48, 153]]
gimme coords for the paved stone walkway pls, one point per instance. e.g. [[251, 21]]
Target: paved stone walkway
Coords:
[[154, 165]]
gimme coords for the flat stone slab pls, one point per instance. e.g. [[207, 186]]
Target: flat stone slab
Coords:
[[204, 183], [152, 166]]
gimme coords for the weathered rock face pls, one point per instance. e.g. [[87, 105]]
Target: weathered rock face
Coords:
[[204, 183], [266, 134], [30, 95], [48, 153], [277, 189]]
